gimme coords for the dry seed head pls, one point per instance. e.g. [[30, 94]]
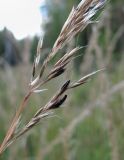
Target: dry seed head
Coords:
[[67, 56], [77, 21], [56, 73], [64, 87], [37, 58], [39, 47], [58, 103], [33, 122], [84, 79]]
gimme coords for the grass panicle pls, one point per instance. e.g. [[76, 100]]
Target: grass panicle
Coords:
[[77, 21]]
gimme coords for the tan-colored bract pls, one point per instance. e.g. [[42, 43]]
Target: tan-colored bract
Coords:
[[78, 19]]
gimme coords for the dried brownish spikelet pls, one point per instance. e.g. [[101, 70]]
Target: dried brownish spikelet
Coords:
[[54, 99], [84, 79], [60, 65], [37, 58]]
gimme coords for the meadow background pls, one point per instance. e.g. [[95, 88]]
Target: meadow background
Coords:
[[90, 125]]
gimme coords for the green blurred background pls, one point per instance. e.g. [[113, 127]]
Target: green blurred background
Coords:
[[90, 124]]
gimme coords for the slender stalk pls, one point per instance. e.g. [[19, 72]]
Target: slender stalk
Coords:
[[13, 125]]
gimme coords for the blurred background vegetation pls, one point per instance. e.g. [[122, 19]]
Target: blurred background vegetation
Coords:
[[90, 125]]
